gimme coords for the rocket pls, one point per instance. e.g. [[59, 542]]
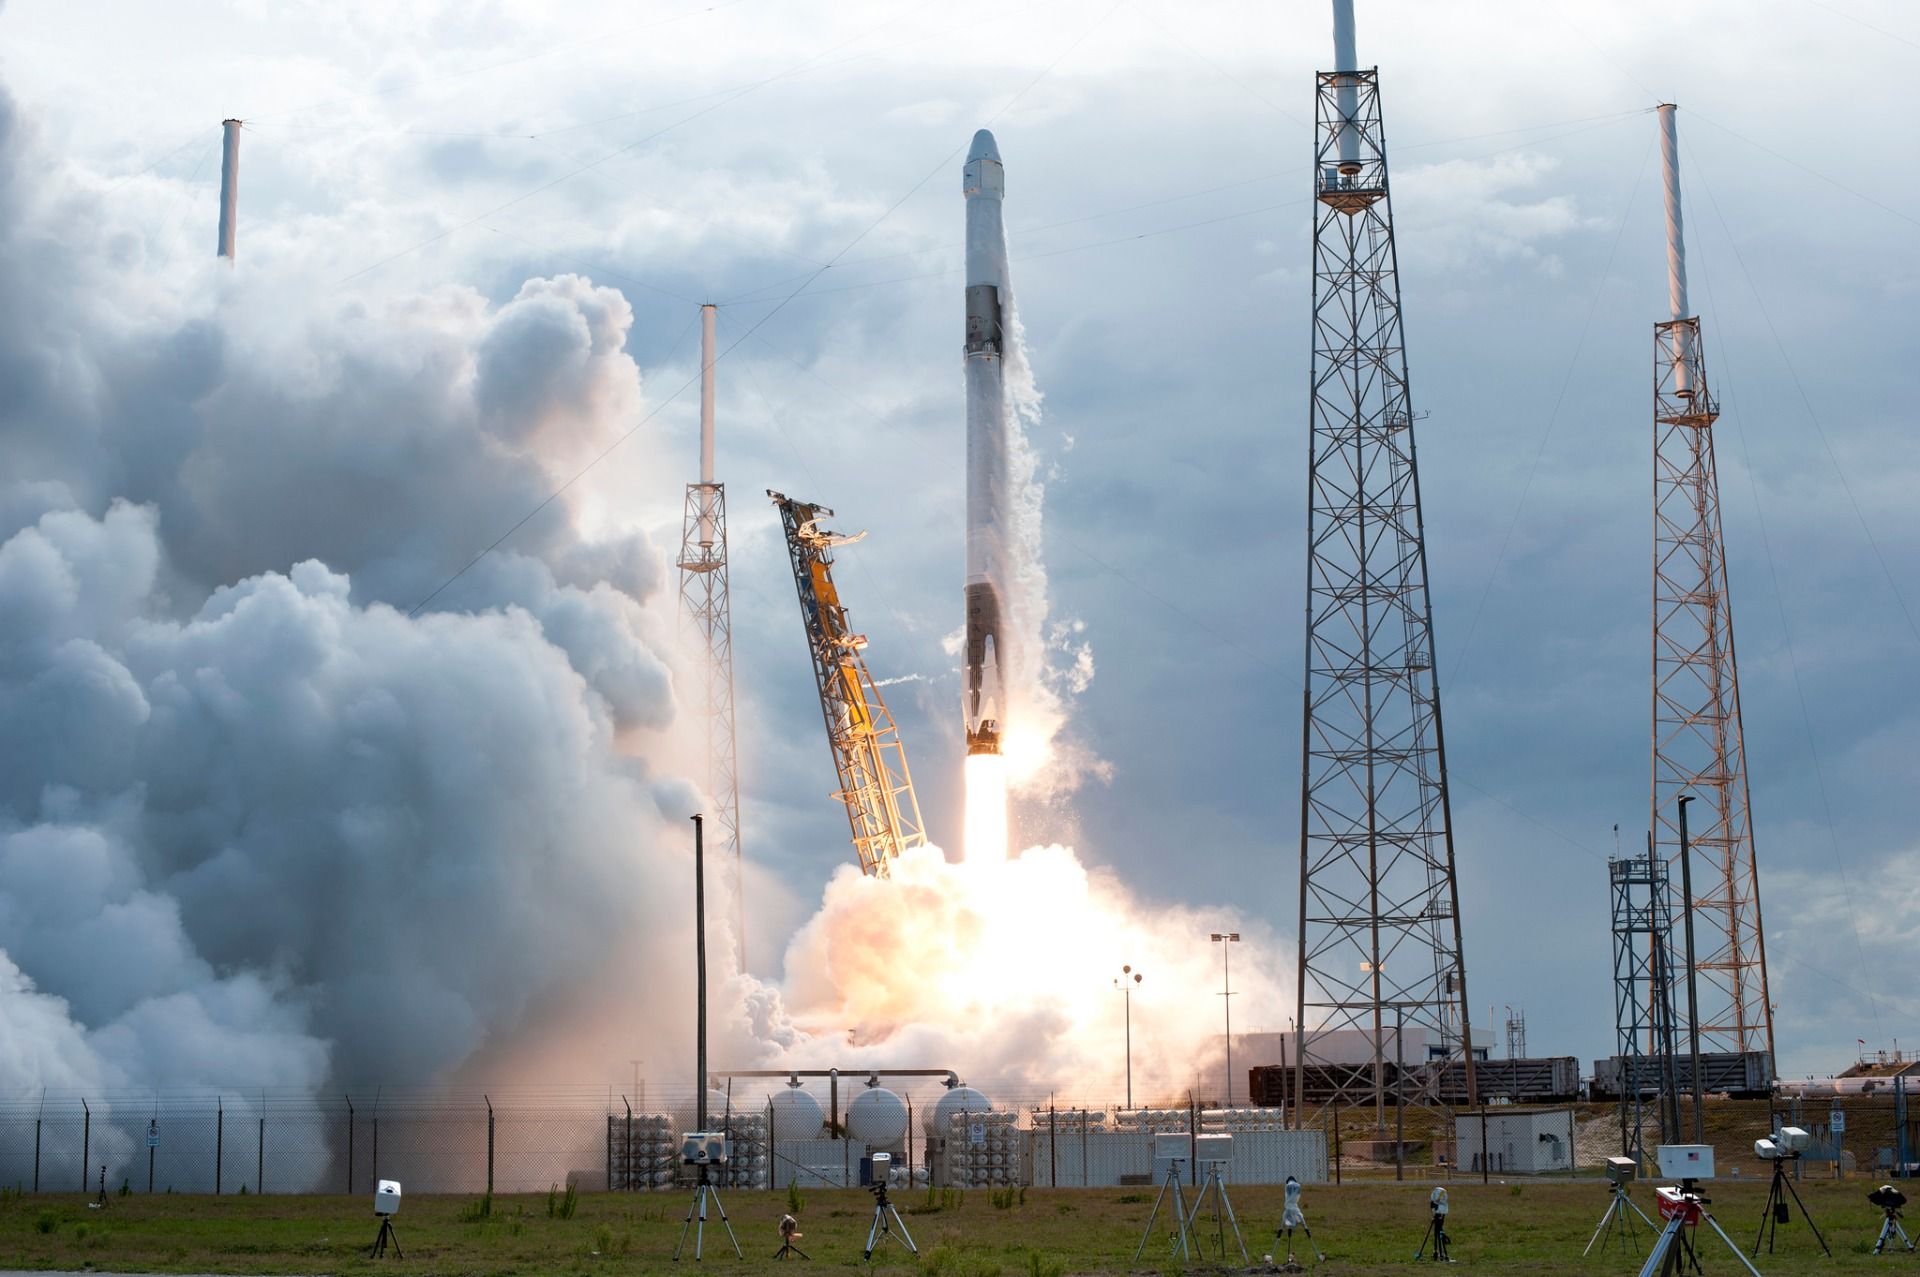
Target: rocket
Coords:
[[984, 183]]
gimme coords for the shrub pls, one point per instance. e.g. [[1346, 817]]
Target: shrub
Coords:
[[481, 1208]]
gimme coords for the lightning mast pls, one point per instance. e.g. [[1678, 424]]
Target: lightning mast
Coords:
[[704, 600], [1698, 746], [1380, 948], [867, 754]]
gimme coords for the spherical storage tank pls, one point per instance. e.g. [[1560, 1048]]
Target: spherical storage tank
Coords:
[[796, 1115], [685, 1112], [878, 1118], [938, 1122]]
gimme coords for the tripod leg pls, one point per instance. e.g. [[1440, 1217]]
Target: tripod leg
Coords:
[[1741, 1255], [873, 1231], [1662, 1246], [1317, 1253], [1233, 1223], [1804, 1215], [696, 1206], [1151, 1216], [1606, 1221], [727, 1224], [901, 1224]]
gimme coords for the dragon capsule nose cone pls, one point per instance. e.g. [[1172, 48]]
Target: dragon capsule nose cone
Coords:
[[983, 147]]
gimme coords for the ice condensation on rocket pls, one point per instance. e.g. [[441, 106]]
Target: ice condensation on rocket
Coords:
[[988, 514]]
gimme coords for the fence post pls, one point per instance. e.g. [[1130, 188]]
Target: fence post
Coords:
[[1086, 1171], [260, 1156], [86, 1142], [1193, 1139], [1053, 1146], [219, 1140], [349, 1146], [629, 1177], [909, 1142], [1486, 1154], [375, 1173], [36, 1154], [489, 1100]]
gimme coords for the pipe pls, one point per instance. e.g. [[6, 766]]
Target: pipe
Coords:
[[1693, 1001], [229, 188], [1345, 60], [700, 971]]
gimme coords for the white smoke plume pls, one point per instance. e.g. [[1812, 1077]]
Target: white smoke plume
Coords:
[[257, 825], [261, 826], [1007, 972], [1049, 660]]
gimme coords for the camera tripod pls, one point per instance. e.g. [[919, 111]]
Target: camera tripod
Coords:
[[702, 1193], [385, 1235], [1617, 1216], [1774, 1213], [1216, 1187], [1437, 1234], [885, 1220], [1889, 1227], [789, 1229], [1667, 1258], [1182, 1239]]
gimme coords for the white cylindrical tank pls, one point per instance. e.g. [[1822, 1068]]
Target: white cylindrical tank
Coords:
[[878, 1118], [938, 1122], [796, 1115]]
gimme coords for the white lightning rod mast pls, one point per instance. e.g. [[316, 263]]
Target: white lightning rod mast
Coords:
[[1676, 244], [229, 187], [1345, 59]]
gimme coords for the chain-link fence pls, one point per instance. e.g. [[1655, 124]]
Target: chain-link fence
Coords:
[[526, 1140]]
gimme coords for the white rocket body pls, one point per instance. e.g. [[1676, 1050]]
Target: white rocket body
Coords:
[[984, 184]]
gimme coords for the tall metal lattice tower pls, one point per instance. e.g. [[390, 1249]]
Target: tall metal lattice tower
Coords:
[[1643, 975], [704, 601], [1697, 742], [870, 762], [1380, 946]]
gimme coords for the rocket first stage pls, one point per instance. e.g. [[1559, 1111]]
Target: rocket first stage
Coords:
[[984, 183]]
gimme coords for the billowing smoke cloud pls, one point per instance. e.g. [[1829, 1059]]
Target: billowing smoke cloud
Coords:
[[257, 825], [1007, 972]]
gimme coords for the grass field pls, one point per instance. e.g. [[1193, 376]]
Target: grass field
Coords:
[[1370, 1227]]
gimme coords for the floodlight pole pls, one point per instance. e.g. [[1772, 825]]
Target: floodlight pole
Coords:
[[1693, 1000], [1225, 939], [700, 971], [1128, 978]]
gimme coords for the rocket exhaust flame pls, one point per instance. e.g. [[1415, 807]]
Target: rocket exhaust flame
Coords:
[[986, 831]]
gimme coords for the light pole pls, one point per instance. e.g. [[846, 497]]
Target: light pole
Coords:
[[1124, 982], [1223, 939]]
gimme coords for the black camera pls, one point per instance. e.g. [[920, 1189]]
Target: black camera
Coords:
[[1887, 1197]]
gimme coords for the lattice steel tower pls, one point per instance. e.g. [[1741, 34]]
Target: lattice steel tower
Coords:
[[1643, 975], [1379, 907], [1697, 742], [704, 601]]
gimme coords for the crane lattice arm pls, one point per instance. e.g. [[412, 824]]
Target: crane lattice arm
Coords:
[[872, 765]]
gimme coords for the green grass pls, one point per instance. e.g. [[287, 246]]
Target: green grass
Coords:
[[1369, 1227]]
